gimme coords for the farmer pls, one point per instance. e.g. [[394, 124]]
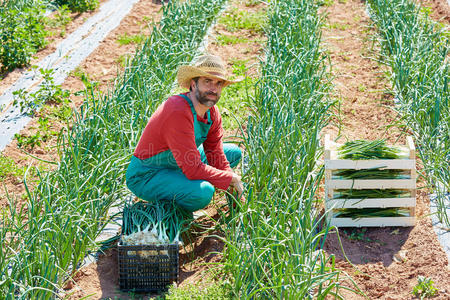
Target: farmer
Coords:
[[180, 155]]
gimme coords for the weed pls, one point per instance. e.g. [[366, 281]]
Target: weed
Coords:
[[43, 134], [85, 78], [239, 67], [338, 26], [123, 59], [126, 39], [230, 40], [8, 168], [28, 142], [326, 2], [424, 288], [395, 232], [77, 72], [79, 5], [362, 88], [22, 33], [235, 20], [212, 290], [62, 112], [426, 10], [47, 93], [251, 3], [60, 19], [357, 235]]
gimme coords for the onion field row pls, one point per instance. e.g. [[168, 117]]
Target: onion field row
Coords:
[[417, 49], [43, 244], [273, 242]]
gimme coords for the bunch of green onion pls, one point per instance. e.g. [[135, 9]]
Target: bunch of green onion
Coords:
[[357, 213], [364, 149], [152, 223], [372, 173], [369, 193]]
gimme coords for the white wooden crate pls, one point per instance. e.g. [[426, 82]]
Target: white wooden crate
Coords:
[[332, 163]]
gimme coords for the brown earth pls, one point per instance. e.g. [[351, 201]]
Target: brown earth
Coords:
[[440, 10], [365, 113]]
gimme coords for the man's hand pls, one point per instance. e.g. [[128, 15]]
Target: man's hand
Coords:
[[236, 184]]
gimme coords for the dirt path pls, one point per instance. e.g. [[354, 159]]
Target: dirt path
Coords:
[[440, 10], [366, 112]]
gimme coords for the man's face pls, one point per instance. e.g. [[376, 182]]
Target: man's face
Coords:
[[207, 90]]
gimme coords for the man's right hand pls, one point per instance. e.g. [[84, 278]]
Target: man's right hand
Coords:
[[236, 184]]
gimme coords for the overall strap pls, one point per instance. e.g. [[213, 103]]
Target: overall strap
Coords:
[[194, 113], [191, 105]]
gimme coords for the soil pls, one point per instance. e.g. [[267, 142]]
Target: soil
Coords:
[[384, 262], [440, 10]]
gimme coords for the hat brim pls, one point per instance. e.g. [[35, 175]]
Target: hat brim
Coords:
[[186, 73]]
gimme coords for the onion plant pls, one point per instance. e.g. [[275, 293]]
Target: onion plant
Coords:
[[68, 208], [363, 149], [166, 219], [370, 212], [273, 241], [416, 49], [373, 173], [370, 193]]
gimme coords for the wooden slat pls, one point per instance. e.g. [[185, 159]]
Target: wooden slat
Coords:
[[327, 155], [412, 148], [358, 184], [409, 163], [373, 222], [335, 164], [412, 210], [375, 202]]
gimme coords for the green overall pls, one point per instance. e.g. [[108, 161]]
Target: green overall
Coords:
[[159, 177]]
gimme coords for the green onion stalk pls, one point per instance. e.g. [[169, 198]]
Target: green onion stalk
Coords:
[[166, 221], [273, 241], [370, 193], [357, 213], [43, 245], [363, 149], [416, 49], [373, 173]]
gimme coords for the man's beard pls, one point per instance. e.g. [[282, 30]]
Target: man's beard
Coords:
[[203, 99]]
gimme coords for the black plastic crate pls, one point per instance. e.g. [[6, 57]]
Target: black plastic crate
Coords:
[[148, 268]]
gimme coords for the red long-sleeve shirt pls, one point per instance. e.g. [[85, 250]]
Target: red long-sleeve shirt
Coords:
[[172, 127]]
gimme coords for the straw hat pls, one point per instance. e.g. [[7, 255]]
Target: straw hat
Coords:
[[205, 66]]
